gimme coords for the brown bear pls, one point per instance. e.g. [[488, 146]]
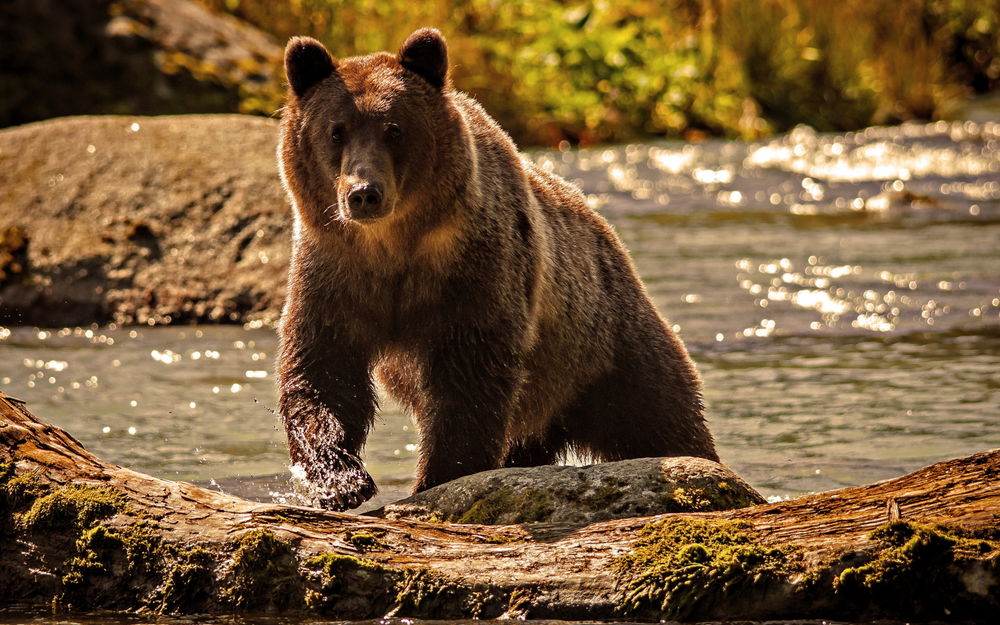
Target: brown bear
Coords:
[[481, 290]]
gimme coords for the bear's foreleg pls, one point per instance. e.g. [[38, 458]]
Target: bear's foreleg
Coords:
[[470, 385], [327, 404]]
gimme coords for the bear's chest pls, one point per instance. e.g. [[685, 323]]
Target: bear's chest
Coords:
[[389, 303]]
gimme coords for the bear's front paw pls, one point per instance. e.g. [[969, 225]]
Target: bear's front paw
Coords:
[[338, 480]]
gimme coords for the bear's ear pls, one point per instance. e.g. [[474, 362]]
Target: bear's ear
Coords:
[[306, 63], [426, 53]]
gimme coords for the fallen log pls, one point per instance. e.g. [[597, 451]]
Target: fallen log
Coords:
[[80, 533]]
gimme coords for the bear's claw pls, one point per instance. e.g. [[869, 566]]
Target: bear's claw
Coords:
[[347, 498]]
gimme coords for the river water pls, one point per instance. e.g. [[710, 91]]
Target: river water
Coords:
[[840, 294]]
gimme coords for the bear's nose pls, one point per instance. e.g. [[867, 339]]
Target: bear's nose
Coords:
[[364, 198]]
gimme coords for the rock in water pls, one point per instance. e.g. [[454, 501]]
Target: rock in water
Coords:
[[141, 220], [566, 494]]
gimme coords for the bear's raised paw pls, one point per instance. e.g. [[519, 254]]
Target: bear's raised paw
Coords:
[[339, 481]]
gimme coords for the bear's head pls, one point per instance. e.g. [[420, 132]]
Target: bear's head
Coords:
[[362, 136]]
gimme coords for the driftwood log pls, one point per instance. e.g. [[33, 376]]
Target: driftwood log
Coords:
[[82, 534]]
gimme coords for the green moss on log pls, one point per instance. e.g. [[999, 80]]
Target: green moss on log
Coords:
[[363, 541], [22, 490], [112, 567], [30, 505], [678, 565], [263, 574], [423, 593], [349, 587], [78, 506], [17, 493], [923, 572], [117, 563], [132, 568], [356, 588], [188, 584]]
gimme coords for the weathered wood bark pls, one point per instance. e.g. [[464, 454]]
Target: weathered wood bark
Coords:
[[88, 534]]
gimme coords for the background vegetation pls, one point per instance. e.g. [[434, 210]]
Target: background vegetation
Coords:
[[615, 70], [549, 70]]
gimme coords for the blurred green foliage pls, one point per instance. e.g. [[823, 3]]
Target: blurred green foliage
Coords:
[[616, 70]]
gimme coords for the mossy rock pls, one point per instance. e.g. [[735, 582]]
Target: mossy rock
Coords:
[[611, 490]]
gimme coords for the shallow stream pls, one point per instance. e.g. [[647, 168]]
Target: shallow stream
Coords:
[[840, 294]]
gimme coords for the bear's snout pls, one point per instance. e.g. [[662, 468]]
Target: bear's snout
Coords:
[[365, 200]]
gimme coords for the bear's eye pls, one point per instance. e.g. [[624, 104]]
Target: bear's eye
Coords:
[[337, 133], [392, 131]]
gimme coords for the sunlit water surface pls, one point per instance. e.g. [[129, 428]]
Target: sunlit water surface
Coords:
[[840, 294]]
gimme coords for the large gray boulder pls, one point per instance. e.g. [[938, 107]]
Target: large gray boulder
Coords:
[[568, 494], [142, 220]]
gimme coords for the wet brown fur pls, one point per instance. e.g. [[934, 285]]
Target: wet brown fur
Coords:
[[489, 300]]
